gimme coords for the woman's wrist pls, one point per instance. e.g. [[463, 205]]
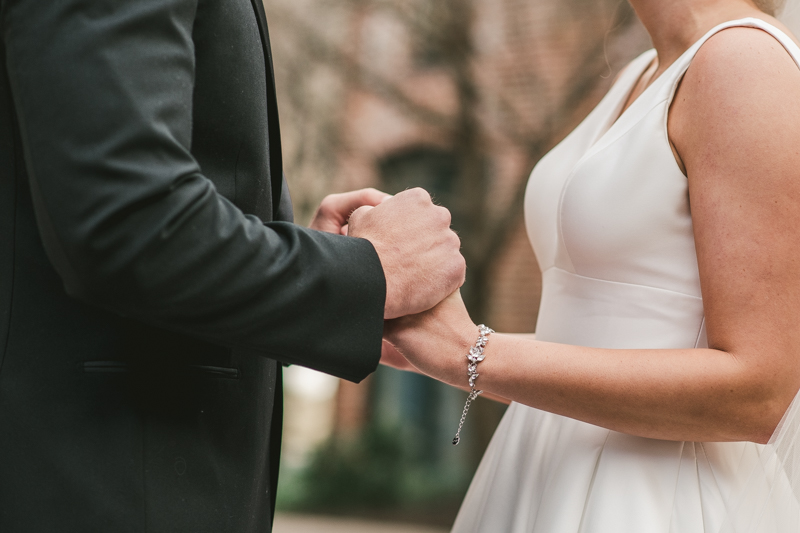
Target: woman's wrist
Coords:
[[464, 341], [437, 342]]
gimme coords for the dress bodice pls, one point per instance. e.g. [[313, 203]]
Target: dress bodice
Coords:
[[609, 202], [608, 214]]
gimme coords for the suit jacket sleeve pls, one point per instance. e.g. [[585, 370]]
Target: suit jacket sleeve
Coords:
[[103, 95]]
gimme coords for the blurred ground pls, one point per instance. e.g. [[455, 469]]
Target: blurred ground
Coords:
[[290, 523]]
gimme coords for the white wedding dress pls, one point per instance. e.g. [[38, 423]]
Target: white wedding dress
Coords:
[[607, 212]]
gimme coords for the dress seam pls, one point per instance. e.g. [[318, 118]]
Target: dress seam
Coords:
[[700, 491], [623, 283], [677, 479], [591, 482], [711, 468], [700, 332], [538, 507], [495, 473]]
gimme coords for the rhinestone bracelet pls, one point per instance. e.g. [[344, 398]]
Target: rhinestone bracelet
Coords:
[[475, 356]]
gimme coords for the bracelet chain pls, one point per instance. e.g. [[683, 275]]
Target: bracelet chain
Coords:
[[475, 356]]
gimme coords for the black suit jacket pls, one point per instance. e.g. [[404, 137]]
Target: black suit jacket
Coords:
[[151, 281]]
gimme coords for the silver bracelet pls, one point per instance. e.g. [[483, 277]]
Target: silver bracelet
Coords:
[[475, 356]]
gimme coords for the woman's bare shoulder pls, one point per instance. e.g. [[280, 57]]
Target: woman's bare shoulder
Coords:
[[741, 93], [743, 64]]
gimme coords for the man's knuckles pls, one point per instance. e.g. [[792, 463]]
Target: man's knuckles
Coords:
[[453, 240], [415, 198], [459, 271], [420, 195], [443, 216]]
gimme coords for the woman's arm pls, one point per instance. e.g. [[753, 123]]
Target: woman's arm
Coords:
[[391, 357], [735, 123], [701, 395]]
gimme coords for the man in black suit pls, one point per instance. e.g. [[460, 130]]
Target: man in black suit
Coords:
[[151, 280]]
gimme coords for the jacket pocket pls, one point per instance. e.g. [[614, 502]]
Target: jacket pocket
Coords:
[[107, 367], [121, 367], [216, 371]]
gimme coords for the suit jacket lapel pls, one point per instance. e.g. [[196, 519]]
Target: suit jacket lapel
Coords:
[[274, 129]]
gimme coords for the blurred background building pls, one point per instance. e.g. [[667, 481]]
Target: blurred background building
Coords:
[[461, 97]]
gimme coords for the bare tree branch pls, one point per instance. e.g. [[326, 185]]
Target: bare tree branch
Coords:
[[322, 50]]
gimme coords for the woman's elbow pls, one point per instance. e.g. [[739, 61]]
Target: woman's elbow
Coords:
[[766, 415]]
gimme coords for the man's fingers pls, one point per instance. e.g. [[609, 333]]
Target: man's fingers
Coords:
[[419, 252], [417, 194], [458, 272]]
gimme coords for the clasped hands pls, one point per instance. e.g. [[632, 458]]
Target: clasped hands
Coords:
[[427, 327]]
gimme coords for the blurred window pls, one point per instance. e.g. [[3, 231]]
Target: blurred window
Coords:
[[433, 169]]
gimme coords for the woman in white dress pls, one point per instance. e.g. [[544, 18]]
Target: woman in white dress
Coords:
[[667, 228]]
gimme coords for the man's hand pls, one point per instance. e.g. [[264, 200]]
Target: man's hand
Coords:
[[335, 209], [418, 250]]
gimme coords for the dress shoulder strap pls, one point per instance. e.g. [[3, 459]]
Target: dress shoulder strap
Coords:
[[676, 71]]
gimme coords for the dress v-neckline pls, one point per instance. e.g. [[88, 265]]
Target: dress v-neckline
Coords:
[[618, 113], [619, 116], [622, 108]]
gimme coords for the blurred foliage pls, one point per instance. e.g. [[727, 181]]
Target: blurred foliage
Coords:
[[376, 472]]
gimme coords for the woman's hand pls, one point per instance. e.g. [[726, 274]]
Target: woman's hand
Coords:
[[391, 357], [435, 342], [334, 211]]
